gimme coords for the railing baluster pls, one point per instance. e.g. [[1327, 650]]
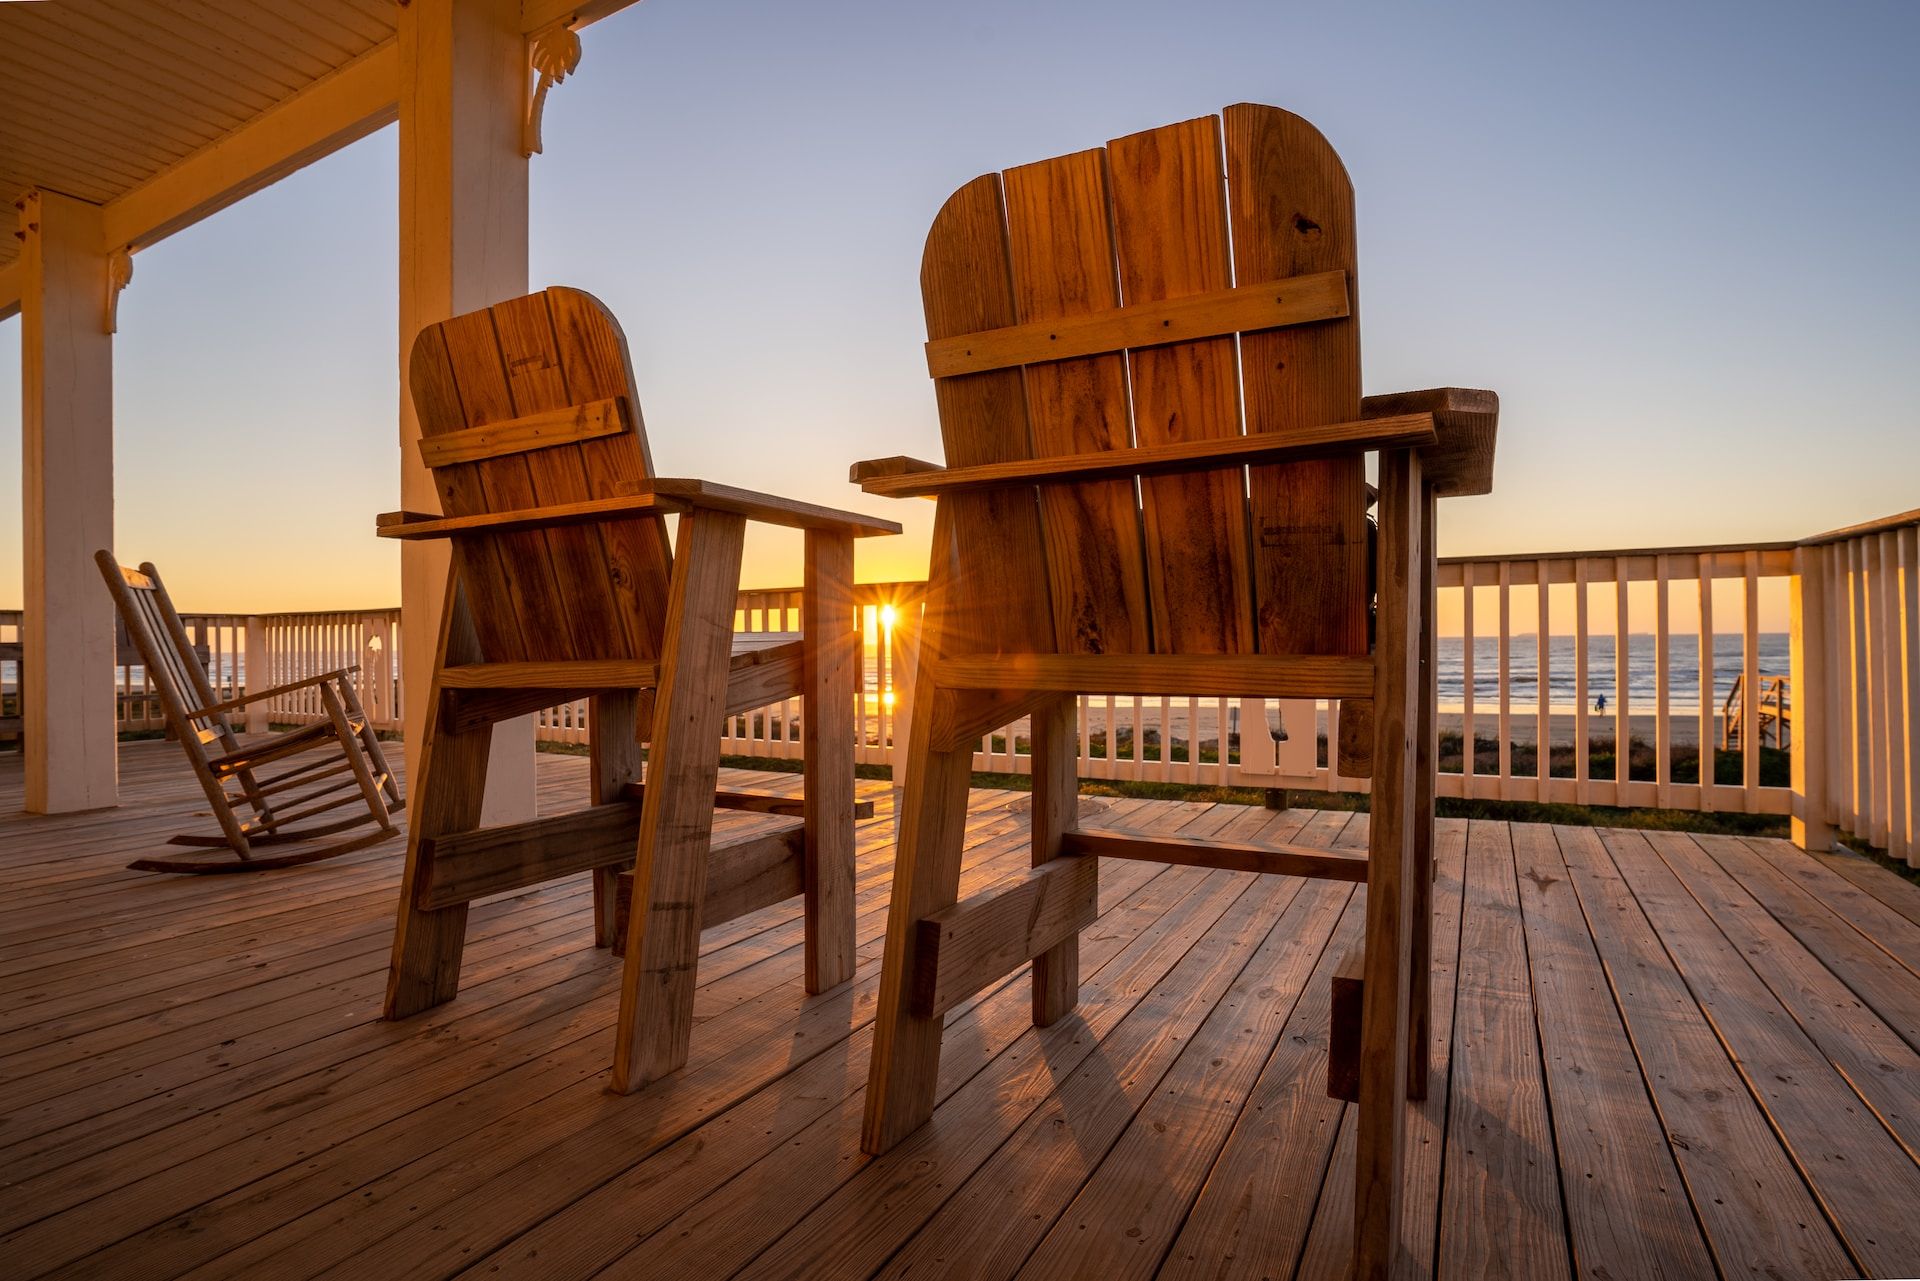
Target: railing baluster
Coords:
[[1543, 678], [1505, 790], [1833, 609], [1581, 789], [1888, 807], [1468, 696], [1662, 685], [1750, 705], [1908, 842], [1703, 571], [1622, 679]]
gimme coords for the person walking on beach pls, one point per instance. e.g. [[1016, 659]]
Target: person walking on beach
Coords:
[[1600, 704]]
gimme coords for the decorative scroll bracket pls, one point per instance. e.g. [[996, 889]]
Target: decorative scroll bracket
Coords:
[[119, 273], [554, 52]]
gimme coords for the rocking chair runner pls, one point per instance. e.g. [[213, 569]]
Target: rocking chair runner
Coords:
[[563, 587], [1091, 322], [283, 803]]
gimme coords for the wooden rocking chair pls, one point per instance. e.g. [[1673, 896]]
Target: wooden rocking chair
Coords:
[[563, 587], [1092, 323], [350, 773]]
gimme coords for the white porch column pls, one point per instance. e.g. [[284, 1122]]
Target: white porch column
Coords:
[[66, 430], [463, 245]]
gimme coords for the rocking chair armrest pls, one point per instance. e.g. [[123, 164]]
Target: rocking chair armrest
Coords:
[[657, 497], [911, 478], [234, 704], [1466, 420]]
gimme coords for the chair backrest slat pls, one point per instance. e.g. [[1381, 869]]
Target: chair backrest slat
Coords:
[[997, 601], [527, 556], [1292, 214], [166, 653], [1060, 241], [1170, 211], [1272, 558], [573, 592]]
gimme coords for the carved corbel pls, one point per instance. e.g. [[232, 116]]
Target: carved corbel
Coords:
[[119, 272], [554, 52]]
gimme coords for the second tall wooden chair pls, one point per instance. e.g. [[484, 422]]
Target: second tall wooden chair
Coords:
[[563, 587], [1177, 309]]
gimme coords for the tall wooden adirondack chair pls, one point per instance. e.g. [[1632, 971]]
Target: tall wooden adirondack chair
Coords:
[[1177, 307], [286, 785], [563, 587]]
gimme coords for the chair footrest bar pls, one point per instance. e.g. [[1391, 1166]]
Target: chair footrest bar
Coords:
[[963, 948], [763, 867], [753, 802], [462, 866], [1343, 1027], [1237, 856]]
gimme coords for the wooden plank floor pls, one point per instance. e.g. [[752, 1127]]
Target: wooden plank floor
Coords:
[[1654, 1055]]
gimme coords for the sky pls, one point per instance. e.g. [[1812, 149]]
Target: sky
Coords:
[[1679, 241]]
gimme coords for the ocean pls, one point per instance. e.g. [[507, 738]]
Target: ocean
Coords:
[[1683, 673], [1683, 670]]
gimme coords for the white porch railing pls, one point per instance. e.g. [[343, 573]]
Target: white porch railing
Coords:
[[1857, 650], [1543, 716]]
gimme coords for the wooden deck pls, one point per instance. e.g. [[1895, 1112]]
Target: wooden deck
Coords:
[[1655, 1056]]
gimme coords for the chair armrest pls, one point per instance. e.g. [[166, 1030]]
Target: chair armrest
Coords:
[[658, 497], [898, 465], [909, 478], [769, 509], [233, 704], [412, 525], [1466, 420]]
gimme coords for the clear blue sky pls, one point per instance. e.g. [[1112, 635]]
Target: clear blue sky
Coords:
[[1679, 240]]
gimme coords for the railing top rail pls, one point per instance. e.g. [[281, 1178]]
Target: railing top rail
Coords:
[[904, 589], [1623, 553], [1881, 526], [316, 613]]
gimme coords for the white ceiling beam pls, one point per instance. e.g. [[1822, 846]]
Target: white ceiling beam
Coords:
[[338, 109], [538, 15]]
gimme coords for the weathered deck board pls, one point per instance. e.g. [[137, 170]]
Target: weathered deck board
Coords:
[[1663, 1054]]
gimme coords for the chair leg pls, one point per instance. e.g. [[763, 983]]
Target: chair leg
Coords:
[[356, 759], [676, 813], [926, 878], [370, 739], [230, 826], [827, 613], [250, 787], [1056, 807], [427, 943], [614, 746], [1392, 884], [1420, 994]]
